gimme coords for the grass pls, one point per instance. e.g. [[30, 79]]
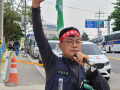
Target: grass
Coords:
[[10, 53]]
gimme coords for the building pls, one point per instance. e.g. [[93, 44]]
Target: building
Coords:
[[50, 30]]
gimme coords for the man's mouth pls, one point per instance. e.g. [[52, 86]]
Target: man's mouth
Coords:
[[74, 51]]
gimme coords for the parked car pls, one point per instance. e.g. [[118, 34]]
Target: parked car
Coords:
[[34, 50], [53, 44], [96, 56], [29, 49]]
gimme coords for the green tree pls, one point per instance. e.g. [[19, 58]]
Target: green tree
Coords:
[[116, 16], [84, 36], [12, 19], [54, 38]]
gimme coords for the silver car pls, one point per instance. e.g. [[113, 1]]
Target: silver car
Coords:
[[52, 44], [34, 50], [29, 49]]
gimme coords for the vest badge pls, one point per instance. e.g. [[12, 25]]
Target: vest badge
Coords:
[[61, 72]]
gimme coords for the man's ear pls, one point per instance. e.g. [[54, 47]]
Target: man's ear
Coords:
[[60, 46]]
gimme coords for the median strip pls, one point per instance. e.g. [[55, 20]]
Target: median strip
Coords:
[[29, 62], [113, 58]]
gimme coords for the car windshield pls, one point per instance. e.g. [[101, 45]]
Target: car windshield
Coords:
[[52, 44], [91, 49]]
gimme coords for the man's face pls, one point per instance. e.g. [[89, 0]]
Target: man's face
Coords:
[[70, 46]]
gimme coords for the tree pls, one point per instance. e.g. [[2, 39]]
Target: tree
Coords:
[[12, 19], [84, 36], [116, 16], [54, 38]]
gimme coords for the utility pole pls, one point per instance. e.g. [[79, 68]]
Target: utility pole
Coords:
[[99, 16], [108, 32], [25, 54], [1, 20]]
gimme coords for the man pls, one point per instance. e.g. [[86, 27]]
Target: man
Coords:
[[66, 73], [16, 45]]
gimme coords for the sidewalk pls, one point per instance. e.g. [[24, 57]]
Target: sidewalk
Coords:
[[29, 77]]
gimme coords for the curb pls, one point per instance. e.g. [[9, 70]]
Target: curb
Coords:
[[10, 84]]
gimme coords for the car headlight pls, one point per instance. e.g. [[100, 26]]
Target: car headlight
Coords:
[[106, 63]]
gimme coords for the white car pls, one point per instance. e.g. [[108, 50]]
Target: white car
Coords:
[[53, 44], [34, 50], [96, 56]]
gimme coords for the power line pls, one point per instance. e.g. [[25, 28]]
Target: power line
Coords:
[[108, 9], [105, 4], [77, 4], [108, 4], [72, 7]]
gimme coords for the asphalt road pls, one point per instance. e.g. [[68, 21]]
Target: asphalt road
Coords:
[[114, 61]]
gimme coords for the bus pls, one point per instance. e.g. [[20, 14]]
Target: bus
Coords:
[[113, 42], [100, 42], [109, 43]]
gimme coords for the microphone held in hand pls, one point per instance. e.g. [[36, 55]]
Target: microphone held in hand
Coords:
[[84, 60]]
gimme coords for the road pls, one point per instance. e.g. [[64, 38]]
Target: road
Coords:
[[34, 75], [114, 81], [115, 62]]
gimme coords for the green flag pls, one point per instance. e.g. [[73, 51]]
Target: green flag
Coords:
[[59, 8]]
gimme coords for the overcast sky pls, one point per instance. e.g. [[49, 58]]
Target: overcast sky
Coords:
[[76, 11]]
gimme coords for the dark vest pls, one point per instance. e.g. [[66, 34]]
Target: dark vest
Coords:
[[61, 71]]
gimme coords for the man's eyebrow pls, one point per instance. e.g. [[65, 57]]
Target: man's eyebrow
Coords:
[[69, 39]]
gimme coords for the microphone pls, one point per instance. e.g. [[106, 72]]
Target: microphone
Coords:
[[85, 60]]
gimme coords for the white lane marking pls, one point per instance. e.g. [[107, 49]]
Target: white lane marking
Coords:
[[39, 69]]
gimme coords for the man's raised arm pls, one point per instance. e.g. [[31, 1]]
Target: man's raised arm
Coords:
[[36, 3], [46, 53]]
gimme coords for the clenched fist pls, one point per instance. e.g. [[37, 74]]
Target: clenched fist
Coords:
[[36, 3], [80, 57]]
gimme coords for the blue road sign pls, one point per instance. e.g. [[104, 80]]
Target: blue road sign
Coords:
[[94, 24]]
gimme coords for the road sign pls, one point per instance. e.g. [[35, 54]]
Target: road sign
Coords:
[[99, 32], [94, 24], [23, 17], [22, 21], [89, 24]]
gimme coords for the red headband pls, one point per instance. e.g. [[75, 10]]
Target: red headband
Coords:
[[68, 33]]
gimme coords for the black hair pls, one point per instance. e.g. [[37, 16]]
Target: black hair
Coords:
[[67, 29]]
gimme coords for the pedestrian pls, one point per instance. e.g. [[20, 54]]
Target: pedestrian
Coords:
[[66, 72], [16, 45]]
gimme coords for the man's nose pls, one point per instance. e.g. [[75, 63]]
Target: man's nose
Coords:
[[74, 44]]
